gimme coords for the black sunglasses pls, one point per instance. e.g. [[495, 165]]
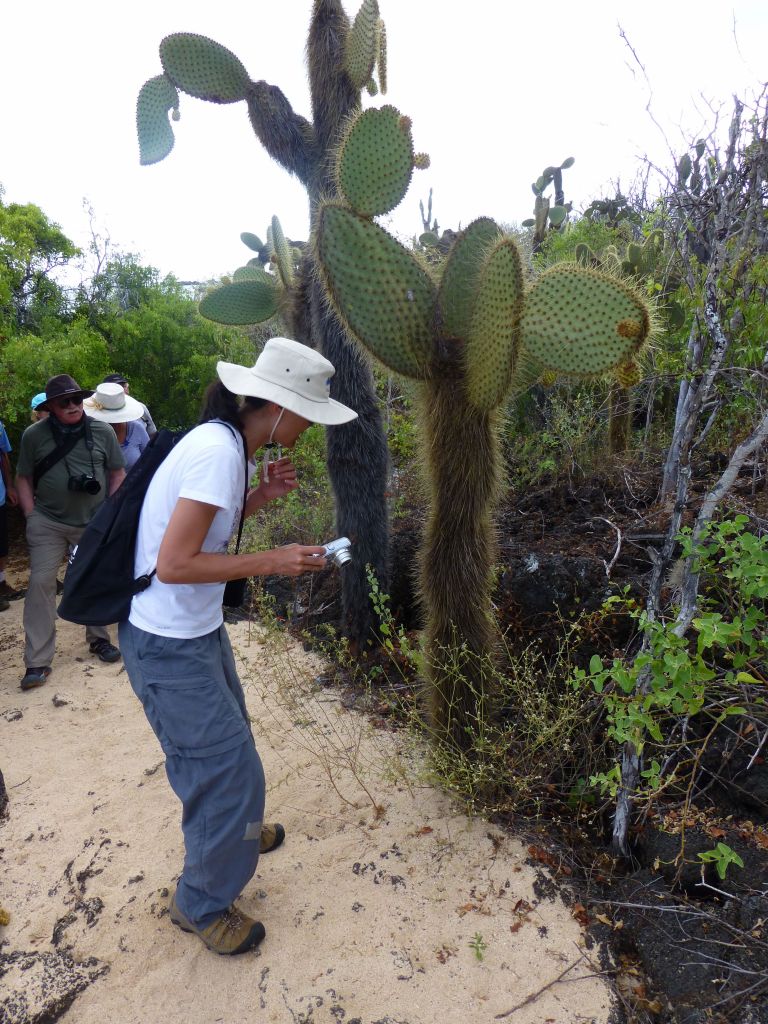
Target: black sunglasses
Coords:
[[62, 403]]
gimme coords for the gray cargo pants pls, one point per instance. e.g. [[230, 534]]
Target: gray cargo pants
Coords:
[[194, 702], [48, 542]]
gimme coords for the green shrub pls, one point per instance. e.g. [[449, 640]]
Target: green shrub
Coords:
[[716, 673]]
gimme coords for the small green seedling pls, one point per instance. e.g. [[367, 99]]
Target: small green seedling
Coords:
[[722, 857], [478, 946]]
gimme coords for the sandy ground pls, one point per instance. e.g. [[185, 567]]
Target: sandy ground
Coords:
[[386, 904]]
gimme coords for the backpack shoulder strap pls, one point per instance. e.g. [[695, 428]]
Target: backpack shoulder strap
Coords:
[[245, 492], [50, 460]]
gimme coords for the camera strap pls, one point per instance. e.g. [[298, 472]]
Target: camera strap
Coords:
[[59, 452]]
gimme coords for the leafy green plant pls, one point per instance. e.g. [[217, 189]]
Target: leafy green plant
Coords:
[[722, 857], [393, 637], [704, 674]]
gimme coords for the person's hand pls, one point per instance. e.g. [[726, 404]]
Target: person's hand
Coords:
[[12, 495], [282, 480], [295, 559]]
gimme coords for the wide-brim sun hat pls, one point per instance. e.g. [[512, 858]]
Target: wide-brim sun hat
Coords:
[[293, 376], [63, 385], [110, 404]]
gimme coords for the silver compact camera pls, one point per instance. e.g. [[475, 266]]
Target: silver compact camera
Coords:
[[337, 552]]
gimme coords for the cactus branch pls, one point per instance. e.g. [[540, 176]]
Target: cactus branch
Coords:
[[286, 136], [333, 95]]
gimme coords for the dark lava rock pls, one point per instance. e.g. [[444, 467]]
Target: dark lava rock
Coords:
[[660, 851], [540, 584], [39, 987], [697, 954], [753, 788]]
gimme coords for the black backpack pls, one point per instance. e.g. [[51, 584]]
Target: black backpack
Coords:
[[99, 583]]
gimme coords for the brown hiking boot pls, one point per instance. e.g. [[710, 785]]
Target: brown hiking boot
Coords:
[[231, 933], [272, 836]]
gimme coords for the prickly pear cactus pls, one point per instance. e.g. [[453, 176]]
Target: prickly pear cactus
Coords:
[[342, 59], [469, 332], [545, 216]]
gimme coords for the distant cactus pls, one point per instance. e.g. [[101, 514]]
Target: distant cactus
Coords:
[[469, 332], [342, 58], [547, 217], [434, 243]]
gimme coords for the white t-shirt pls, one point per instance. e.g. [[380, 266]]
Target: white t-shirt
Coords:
[[206, 465]]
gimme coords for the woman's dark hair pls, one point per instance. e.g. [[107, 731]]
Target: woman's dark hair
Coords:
[[220, 404]]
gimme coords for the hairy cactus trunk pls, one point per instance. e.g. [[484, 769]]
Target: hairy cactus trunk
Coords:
[[463, 470], [357, 455], [357, 466], [619, 418]]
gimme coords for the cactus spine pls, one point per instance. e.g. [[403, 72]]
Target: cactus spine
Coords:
[[342, 57]]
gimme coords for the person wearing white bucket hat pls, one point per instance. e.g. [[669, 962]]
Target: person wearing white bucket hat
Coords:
[[110, 404], [174, 643]]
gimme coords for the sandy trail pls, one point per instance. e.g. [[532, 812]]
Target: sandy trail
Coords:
[[410, 915]]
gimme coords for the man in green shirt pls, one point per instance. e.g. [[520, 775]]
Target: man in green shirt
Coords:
[[68, 464]]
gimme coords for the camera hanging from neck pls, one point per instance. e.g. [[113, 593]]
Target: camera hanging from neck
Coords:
[[66, 437]]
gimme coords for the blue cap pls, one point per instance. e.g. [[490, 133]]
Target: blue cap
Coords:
[[37, 400]]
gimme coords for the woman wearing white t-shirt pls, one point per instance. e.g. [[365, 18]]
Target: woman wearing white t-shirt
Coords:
[[174, 644]]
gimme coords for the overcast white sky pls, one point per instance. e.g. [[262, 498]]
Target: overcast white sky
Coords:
[[496, 90]]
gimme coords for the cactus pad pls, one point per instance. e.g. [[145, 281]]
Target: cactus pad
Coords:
[[253, 273], [456, 299], [252, 241], [381, 56], [375, 161], [241, 302], [377, 288], [583, 322], [684, 168], [584, 255], [156, 98], [360, 53], [283, 256], [557, 215], [491, 350], [628, 374], [203, 68]]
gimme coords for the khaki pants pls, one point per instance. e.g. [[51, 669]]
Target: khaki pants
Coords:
[[48, 542]]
